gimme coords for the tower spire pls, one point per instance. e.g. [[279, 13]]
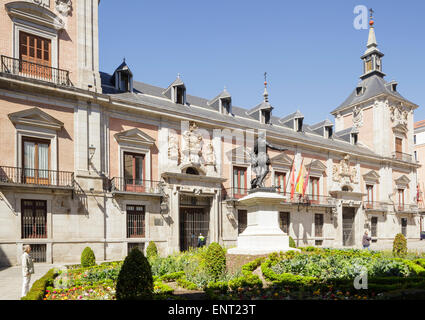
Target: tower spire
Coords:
[[372, 63]]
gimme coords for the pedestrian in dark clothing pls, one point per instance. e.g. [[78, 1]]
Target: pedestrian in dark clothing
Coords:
[[366, 241]]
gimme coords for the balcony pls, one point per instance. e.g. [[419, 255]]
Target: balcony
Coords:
[[375, 206], [126, 185], [307, 200], [406, 208], [35, 71], [402, 156], [12, 176]]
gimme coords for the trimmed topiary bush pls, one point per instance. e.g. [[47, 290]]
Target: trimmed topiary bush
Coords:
[[400, 246], [151, 251], [292, 243], [215, 260], [87, 258], [135, 279]]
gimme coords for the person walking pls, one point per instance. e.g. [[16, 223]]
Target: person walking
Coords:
[[201, 240], [366, 241], [27, 269]]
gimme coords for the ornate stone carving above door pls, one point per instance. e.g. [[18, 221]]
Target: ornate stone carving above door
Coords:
[[343, 173]]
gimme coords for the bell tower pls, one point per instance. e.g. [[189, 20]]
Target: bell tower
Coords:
[[372, 58]]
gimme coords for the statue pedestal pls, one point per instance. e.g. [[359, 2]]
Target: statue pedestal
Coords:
[[263, 234]]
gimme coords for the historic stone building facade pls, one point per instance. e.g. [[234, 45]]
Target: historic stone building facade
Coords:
[[101, 160]]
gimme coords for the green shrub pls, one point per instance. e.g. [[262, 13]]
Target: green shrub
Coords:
[[38, 289], [184, 283], [251, 281], [400, 246], [172, 276], [292, 243], [215, 260], [87, 258], [217, 287], [135, 278], [151, 250], [420, 262]]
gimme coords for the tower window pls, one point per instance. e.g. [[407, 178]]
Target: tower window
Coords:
[[354, 138], [226, 106], [266, 116]]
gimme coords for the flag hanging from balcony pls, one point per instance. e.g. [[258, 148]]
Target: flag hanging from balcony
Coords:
[[292, 177], [307, 178], [300, 178]]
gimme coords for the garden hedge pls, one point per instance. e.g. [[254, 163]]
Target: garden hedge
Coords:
[[215, 260], [38, 289]]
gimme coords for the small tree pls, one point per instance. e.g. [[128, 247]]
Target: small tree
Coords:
[[88, 258], [292, 243], [400, 246], [151, 250], [215, 261], [135, 278]]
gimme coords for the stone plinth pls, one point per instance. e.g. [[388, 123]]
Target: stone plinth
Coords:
[[263, 234]]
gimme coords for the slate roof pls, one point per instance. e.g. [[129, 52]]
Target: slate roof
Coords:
[[152, 96], [373, 86]]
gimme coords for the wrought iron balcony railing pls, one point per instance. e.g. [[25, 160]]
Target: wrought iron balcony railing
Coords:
[[402, 156], [36, 71], [375, 206], [37, 177], [308, 199], [134, 185]]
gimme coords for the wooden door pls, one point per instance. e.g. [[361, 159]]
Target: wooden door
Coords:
[[35, 56]]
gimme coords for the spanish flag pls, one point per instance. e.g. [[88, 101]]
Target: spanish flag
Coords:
[[300, 178]]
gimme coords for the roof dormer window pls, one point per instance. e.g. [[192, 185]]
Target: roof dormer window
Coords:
[[265, 115], [359, 91], [394, 87], [299, 124], [354, 138], [328, 132], [226, 106], [123, 78], [180, 95]]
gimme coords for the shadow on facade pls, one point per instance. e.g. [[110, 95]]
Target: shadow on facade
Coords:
[[4, 261]]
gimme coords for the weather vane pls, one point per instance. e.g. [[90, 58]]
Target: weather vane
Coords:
[[265, 78]]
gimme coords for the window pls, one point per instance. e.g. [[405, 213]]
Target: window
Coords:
[[226, 106], [359, 90], [314, 189], [138, 245], [416, 155], [36, 55], [369, 191], [38, 252], [134, 172], [299, 124], [368, 65], [354, 138], [328, 132], [35, 162], [400, 199], [135, 221], [239, 181], [34, 219], [284, 221], [280, 181], [414, 139], [242, 220], [374, 227], [318, 225], [266, 116], [180, 95], [404, 226], [398, 148]]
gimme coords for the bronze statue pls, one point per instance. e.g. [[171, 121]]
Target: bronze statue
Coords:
[[260, 160]]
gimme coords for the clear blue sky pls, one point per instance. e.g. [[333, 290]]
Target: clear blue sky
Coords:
[[310, 49]]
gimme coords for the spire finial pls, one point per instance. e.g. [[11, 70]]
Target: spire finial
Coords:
[[371, 22], [265, 94], [178, 75]]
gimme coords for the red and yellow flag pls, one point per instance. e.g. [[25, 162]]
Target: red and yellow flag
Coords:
[[300, 178]]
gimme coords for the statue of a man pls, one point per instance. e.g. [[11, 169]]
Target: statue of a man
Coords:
[[260, 159]]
